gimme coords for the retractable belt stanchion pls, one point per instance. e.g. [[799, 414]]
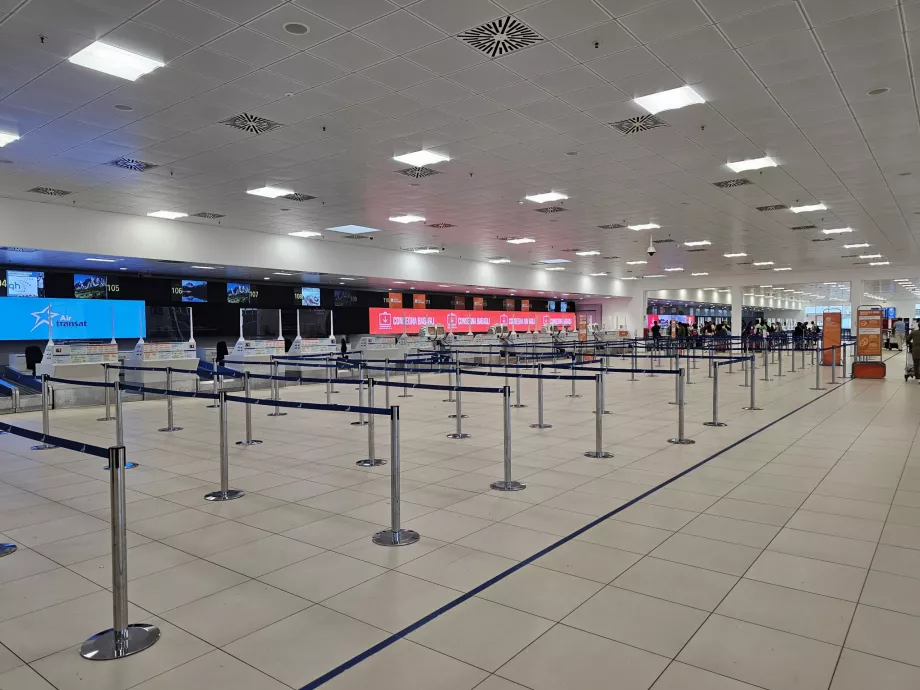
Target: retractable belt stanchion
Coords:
[[766, 363], [361, 421], [507, 484], [450, 384], [506, 367], [371, 460], [792, 357], [329, 382], [753, 368], [396, 535], [276, 391], [747, 369], [651, 362], [218, 380], [108, 404], [517, 393], [818, 386], [386, 381], [540, 424], [406, 393], [170, 422], [843, 361], [681, 439], [335, 370], [247, 391], [676, 400], [715, 400], [833, 365], [598, 451], [458, 415], [573, 394], [779, 361], [225, 493], [123, 638], [635, 357], [46, 414], [120, 424]]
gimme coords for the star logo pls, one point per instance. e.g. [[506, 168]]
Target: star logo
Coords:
[[43, 317]]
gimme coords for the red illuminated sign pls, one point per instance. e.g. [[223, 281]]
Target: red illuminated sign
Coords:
[[389, 321]]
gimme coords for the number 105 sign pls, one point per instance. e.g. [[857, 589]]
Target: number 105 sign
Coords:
[[394, 321]]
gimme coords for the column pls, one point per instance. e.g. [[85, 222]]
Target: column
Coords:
[[737, 306]]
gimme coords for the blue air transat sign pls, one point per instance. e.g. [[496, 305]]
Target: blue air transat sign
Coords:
[[27, 318]]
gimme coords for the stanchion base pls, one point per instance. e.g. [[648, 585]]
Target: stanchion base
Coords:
[[128, 466], [453, 416], [7, 549], [276, 414], [458, 436], [519, 406], [714, 424], [253, 442], [106, 419], [573, 396], [170, 428], [227, 495], [103, 646], [334, 392], [682, 441], [752, 409], [507, 486], [744, 385], [595, 454], [778, 375], [371, 462], [449, 400], [401, 537], [541, 426], [214, 406], [362, 422], [43, 446]]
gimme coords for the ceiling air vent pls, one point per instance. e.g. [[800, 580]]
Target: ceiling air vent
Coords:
[[850, 256], [824, 239], [611, 226], [50, 191], [745, 263], [773, 207], [609, 258], [251, 123], [297, 196], [860, 263], [500, 37], [804, 227], [441, 225], [638, 124], [132, 164], [667, 240], [551, 209], [206, 214], [691, 251], [419, 172], [740, 182]]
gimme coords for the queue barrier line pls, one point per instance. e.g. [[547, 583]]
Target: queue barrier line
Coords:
[[58, 441], [126, 368], [299, 379], [435, 387], [74, 382], [168, 391], [309, 406], [556, 377]]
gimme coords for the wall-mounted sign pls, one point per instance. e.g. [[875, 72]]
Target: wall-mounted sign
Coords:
[[478, 303], [27, 318], [418, 301], [525, 305], [395, 300], [393, 321]]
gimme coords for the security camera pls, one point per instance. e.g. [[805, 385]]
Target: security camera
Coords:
[[651, 248]]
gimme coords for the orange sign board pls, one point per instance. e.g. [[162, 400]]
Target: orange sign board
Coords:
[[477, 303], [459, 302], [582, 327], [869, 332], [418, 301], [833, 323], [395, 300], [525, 305], [509, 305]]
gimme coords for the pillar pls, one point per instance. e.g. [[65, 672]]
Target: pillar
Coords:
[[737, 308]]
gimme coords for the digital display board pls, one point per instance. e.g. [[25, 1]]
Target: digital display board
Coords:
[[28, 318], [392, 321], [308, 297], [25, 283], [345, 298], [86, 286], [190, 291], [238, 293]]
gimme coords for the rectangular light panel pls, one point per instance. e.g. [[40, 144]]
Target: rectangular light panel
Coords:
[[169, 215], [306, 233], [646, 226], [752, 164], [521, 240], [270, 192], [351, 229], [408, 218], [420, 159], [115, 61], [548, 196], [6, 138], [673, 99], [808, 209]]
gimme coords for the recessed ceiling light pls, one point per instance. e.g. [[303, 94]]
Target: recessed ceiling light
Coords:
[[636, 263], [296, 28], [169, 215], [856, 246], [595, 275], [344, 278], [547, 196], [351, 229], [870, 256], [204, 268], [735, 255], [408, 218], [878, 92], [266, 278], [398, 282], [592, 252], [673, 99], [657, 275], [879, 263], [787, 268], [7, 138], [521, 240], [697, 243], [763, 263], [646, 226], [629, 278], [699, 274], [766, 286], [752, 164], [270, 192], [837, 231], [445, 286], [115, 61], [426, 250], [555, 268], [102, 261], [279, 273], [675, 268], [420, 159], [123, 107], [499, 261], [808, 209], [305, 233]]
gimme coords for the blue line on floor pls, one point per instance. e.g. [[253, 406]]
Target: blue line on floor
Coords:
[[383, 644]]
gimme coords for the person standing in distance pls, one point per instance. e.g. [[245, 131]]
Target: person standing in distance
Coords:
[[913, 342], [900, 332]]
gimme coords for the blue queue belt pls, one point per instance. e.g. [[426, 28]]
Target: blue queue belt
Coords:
[[552, 377], [164, 391], [92, 384], [308, 406], [302, 379], [124, 368], [87, 448], [434, 387]]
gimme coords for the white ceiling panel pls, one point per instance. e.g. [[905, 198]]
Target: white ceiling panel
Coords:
[[348, 13], [185, 21], [400, 32], [561, 17], [453, 17], [350, 52]]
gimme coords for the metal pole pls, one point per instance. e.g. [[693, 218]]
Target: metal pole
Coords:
[[632, 374], [218, 380], [458, 415], [506, 367], [843, 362], [681, 439], [122, 639], [450, 383], [335, 370], [247, 391], [540, 424], [372, 460], [361, 421], [766, 363], [753, 405], [406, 393], [396, 535], [598, 451], [328, 384], [818, 386], [747, 369], [276, 391], [170, 421], [386, 381], [46, 414], [517, 392], [793, 358], [779, 371], [676, 400], [507, 484], [833, 365], [715, 400], [573, 394], [225, 493], [108, 405]]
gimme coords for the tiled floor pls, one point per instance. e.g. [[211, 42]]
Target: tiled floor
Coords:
[[789, 562]]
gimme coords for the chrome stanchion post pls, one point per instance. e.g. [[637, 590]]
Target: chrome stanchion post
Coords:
[[108, 404], [573, 394], [123, 638], [506, 367], [225, 493], [507, 484], [753, 405], [335, 370], [681, 439], [598, 451], [793, 358], [540, 424], [833, 365], [817, 386], [361, 421], [386, 381], [46, 414], [450, 384], [766, 363], [170, 422], [371, 460], [715, 400], [635, 357], [747, 369], [843, 361], [779, 360], [405, 393], [328, 384], [517, 392], [276, 391], [120, 425], [458, 415], [247, 391], [396, 535], [676, 400], [218, 380], [651, 363]]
